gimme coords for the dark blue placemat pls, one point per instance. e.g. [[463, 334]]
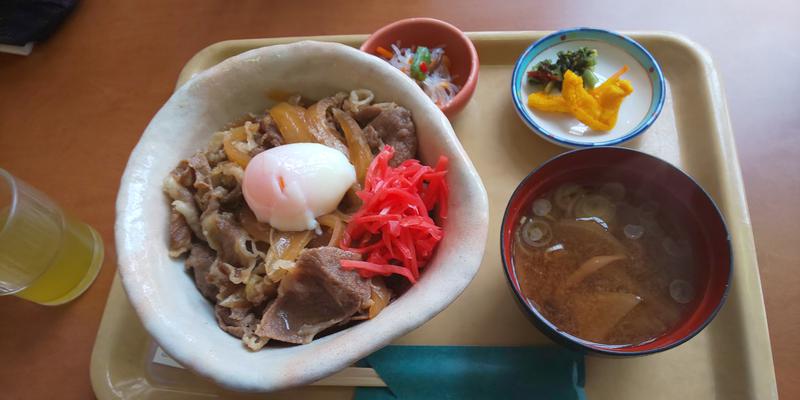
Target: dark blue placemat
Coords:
[[472, 372]]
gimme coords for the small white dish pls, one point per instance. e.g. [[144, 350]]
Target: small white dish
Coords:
[[164, 296], [639, 110]]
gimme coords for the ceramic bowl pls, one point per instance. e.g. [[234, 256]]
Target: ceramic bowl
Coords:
[[164, 296], [673, 189], [639, 110], [433, 33]]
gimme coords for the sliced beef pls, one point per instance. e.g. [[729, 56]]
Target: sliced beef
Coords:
[[366, 114], [232, 243], [216, 156], [392, 125], [260, 289], [212, 207], [202, 179], [178, 183], [221, 197], [218, 276], [322, 239], [183, 174], [321, 123], [202, 170], [373, 139], [257, 230], [351, 202], [180, 235], [200, 260], [227, 174], [327, 105], [230, 319], [227, 180], [241, 323], [233, 198], [270, 135], [267, 135], [177, 186], [314, 296]]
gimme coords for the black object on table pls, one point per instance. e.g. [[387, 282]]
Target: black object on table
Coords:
[[25, 21]]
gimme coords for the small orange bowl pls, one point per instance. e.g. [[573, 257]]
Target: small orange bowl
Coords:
[[431, 32]]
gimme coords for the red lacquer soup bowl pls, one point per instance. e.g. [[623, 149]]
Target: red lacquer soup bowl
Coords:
[[660, 180]]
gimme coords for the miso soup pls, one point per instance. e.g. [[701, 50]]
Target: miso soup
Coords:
[[606, 263]]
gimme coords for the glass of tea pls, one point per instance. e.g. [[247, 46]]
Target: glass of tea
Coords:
[[46, 256]]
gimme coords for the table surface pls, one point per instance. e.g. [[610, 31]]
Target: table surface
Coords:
[[71, 112]]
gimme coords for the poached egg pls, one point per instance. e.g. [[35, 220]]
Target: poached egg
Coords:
[[289, 186]]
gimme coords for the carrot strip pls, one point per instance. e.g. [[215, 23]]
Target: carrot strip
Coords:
[[384, 53]]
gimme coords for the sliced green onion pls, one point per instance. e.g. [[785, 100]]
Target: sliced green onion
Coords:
[[633, 232], [681, 291], [595, 206], [536, 233], [542, 207]]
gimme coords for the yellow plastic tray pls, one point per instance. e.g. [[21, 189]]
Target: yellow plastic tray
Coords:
[[730, 359]]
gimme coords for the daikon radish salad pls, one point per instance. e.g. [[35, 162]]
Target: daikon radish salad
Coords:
[[429, 67]]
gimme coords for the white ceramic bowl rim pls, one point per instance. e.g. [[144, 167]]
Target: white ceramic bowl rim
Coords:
[[164, 296]]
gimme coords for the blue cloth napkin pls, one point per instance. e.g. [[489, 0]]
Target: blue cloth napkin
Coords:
[[471, 372]]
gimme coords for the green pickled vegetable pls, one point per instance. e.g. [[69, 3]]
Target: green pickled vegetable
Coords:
[[589, 79], [420, 63], [580, 61]]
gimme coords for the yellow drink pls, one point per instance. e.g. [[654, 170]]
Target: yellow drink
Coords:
[[73, 269], [46, 256]]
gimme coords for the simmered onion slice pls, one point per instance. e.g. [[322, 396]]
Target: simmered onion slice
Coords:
[[566, 194], [614, 190], [595, 206]]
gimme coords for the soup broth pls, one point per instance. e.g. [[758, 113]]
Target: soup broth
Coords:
[[606, 263]]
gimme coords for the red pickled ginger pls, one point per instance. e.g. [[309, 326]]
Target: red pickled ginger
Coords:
[[393, 230]]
